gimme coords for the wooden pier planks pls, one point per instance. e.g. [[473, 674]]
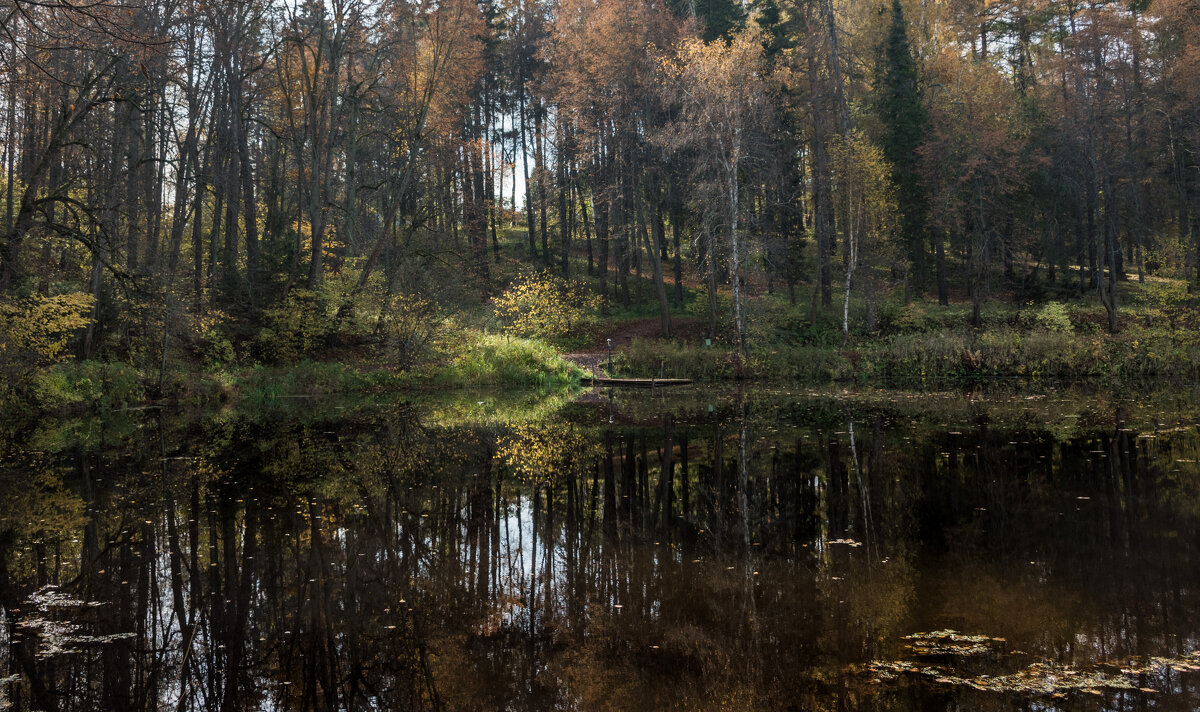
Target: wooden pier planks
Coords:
[[634, 382]]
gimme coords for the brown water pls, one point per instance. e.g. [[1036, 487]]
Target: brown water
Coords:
[[676, 550]]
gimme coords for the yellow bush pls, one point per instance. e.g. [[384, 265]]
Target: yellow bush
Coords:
[[544, 305], [40, 327], [35, 333]]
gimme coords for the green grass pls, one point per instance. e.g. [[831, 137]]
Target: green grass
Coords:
[[261, 385], [494, 360], [925, 345], [475, 360]]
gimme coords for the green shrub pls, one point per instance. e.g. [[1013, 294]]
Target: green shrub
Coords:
[[262, 385], [296, 326], [697, 307], [98, 385], [773, 322], [804, 364], [911, 317], [1051, 316], [217, 350], [825, 332], [674, 359]]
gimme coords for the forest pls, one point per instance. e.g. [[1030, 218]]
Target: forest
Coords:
[[206, 198], [316, 317]]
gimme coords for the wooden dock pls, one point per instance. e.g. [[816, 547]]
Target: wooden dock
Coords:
[[633, 382]]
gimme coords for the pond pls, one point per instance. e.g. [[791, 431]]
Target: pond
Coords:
[[675, 549]]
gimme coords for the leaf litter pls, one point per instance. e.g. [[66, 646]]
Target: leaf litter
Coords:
[[950, 642], [1040, 679]]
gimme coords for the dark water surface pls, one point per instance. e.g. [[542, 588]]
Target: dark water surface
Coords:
[[675, 550]]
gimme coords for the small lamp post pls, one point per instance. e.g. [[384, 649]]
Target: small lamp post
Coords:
[[609, 357]]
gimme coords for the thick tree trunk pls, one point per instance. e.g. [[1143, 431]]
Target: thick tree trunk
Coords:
[[133, 164], [851, 263], [676, 218], [249, 209], [185, 177], [564, 233], [587, 230], [660, 286], [539, 171]]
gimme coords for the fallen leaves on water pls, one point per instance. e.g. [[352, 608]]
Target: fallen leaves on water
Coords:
[[951, 642], [1048, 679], [848, 542], [59, 636], [50, 597], [64, 638]]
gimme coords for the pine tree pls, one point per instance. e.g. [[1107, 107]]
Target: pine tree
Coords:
[[904, 119], [721, 18], [770, 21]]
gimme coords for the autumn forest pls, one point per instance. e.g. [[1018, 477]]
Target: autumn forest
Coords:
[[215, 185], [599, 355]]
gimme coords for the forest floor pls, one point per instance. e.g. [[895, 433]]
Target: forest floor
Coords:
[[593, 358]]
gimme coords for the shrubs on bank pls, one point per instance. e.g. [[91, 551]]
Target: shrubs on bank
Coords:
[[93, 384], [920, 346], [35, 333], [338, 341], [301, 354], [478, 361], [338, 338]]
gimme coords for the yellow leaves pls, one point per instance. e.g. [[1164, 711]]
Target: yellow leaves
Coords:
[[543, 305], [717, 71], [42, 326], [863, 181]]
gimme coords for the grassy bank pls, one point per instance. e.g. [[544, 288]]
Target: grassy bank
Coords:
[[923, 344], [478, 360], [943, 359]]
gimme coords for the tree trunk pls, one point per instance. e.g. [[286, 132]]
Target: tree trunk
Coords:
[[660, 285], [602, 213], [539, 170], [530, 224], [587, 229], [735, 270], [675, 220]]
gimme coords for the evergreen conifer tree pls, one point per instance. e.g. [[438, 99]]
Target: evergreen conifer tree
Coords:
[[904, 119], [721, 18], [770, 21]]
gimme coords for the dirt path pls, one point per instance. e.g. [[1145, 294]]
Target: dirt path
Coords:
[[593, 359]]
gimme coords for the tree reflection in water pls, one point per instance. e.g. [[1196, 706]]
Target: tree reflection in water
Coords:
[[759, 556]]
